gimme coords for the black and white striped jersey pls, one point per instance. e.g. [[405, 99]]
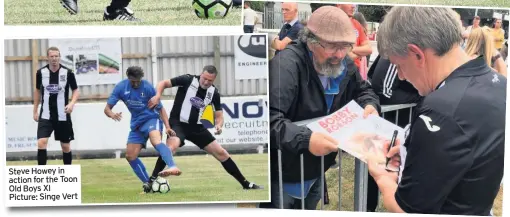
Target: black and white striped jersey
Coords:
[[54, 88], [191, 99]]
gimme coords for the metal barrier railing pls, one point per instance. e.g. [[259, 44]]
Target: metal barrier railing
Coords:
[[361, 169]]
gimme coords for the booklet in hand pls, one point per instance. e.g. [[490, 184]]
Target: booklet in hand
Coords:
[[362, 138]]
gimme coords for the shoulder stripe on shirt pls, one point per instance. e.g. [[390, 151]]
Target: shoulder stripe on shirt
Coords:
[[389, 80]]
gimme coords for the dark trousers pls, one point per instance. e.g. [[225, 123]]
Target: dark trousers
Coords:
[[248, 28], [311, 200]]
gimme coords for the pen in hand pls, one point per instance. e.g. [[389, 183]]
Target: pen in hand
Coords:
[[392, 143]]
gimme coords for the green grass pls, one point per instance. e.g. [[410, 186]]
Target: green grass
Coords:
[[347, 200], [484, 3], [203, 180], [164, 12]]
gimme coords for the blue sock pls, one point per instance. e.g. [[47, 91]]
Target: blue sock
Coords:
[[139, 170], [166, 154]]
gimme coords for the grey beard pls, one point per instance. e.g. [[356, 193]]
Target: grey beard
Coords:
[[328, 69]]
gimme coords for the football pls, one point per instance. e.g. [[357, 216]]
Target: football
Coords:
[[211, 9], [160, 185]]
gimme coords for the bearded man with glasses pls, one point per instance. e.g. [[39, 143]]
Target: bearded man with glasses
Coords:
[[311, 78]]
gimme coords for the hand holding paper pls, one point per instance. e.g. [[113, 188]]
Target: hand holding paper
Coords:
[[322, 144], [379, 173], [356, 131], [370, 110]]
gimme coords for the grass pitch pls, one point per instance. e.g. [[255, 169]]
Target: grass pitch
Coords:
[[160, 12], [203, 180]]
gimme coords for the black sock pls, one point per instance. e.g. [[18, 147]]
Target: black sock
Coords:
[[67, 157], [117, 4], [42, 156], [160, 166], [232, 169]]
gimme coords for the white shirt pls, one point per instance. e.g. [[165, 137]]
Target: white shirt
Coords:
[[249, 16], [292, 22]]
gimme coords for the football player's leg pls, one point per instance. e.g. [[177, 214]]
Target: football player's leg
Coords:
[[132, 152], [154, 128], [70, 5], [67, 155], [177, 141], [204, 139], [165, 153], [134, 146], [118, 10], [44, 131], [65, 134], [160, 163], [42, 154]]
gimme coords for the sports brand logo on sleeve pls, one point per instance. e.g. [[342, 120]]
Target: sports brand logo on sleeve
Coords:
[[495, 78], [428, 120]]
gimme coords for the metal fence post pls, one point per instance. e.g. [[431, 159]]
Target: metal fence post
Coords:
[[360, 185], [339, 180], [322, 182], [280, 181], [302, 183]]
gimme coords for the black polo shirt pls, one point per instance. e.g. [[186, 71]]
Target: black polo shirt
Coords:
[[455, 146]]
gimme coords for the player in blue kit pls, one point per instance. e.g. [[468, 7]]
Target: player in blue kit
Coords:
[[146, 123]]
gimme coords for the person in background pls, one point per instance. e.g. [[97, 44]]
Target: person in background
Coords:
[[467, 32], [498, 34], [363, 47], [250, 18], [481, 43], [358, 16], [290, 29]]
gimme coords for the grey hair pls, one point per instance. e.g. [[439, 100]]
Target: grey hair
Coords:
[[306, 36], [426, 27]]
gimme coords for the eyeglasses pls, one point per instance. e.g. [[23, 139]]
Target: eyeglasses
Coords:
[[344, 47]]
